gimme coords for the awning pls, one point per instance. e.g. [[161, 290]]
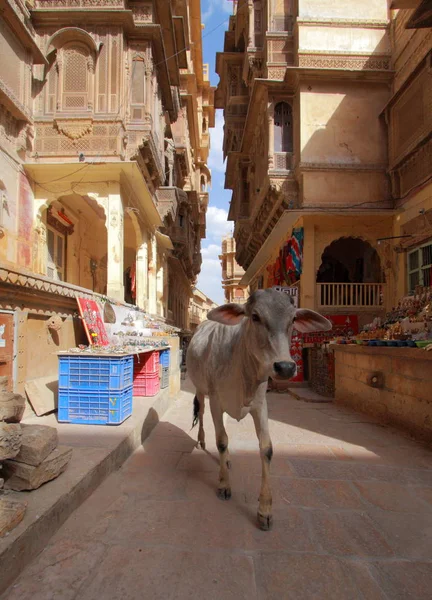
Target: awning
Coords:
[[283, 229], [61, 179], [164, 241]]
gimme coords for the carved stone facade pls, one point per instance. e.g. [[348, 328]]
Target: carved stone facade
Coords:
[[100, 179], [199, 306], [232, 273], [337, 134]]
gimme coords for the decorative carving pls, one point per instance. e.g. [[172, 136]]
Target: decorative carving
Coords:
[[331, 22], [374, 62], [74, 129], [276, 73], [142, 13]]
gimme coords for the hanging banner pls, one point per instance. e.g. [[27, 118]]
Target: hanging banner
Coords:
[[93, 322]]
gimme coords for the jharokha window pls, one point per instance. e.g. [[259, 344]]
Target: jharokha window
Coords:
[[75, 78], [283, 128]]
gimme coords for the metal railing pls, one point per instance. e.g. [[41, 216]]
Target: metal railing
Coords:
[[350, 295]]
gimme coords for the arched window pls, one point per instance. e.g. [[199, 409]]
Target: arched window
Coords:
[[76, 66], [283, 128], [203, 184]]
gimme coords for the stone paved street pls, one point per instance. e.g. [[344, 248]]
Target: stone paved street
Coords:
[[352, 517]]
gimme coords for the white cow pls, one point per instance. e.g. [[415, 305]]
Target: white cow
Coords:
[[230, 359]]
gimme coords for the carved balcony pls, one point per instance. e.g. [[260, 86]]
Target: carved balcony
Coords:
[[179, 235], [86, 4], [151, 151], [168, 201]]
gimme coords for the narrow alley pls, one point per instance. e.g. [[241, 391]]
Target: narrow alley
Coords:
[[352, 516]]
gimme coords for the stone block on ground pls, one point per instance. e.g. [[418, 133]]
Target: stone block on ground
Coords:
[[12, 512], [38, 441], [12, 407], [19, 476], [10, 440]]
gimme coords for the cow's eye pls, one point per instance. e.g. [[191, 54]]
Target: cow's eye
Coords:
[[256, 318]]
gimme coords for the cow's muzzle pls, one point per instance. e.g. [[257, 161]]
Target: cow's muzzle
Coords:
[[285, 370]]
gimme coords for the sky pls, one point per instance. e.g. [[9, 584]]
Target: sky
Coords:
[[215, 15]]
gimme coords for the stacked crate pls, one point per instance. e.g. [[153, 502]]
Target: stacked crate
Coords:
[[95, 390], [164, 361], [146, 374]]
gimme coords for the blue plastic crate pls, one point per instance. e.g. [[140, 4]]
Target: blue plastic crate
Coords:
[[95, 372], [164, 358], [94, 408]]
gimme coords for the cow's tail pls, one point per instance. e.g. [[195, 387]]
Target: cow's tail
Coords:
[[196, 409]]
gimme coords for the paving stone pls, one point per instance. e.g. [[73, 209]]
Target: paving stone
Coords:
[[410, 536], [10, 440], [19, 476], [306, 576], [401, 580], [348, 534], [161, 573], [319, 494], [350, 471], [12, 511], [391, 497], [59, 572], [12, 407], [38, 441]]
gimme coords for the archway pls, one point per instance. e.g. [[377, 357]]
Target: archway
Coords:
[[350, 274], [350, 260]]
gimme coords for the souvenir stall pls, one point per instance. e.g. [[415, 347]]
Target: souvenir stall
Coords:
[[128, 355], [386, 369]]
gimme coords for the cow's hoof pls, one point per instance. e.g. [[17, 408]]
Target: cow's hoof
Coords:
[[224, 493], [203, 446], [228, 464], [265, 522]]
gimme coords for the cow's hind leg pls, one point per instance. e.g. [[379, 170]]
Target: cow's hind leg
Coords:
[[260, 417], [198, 414], [224, 489]]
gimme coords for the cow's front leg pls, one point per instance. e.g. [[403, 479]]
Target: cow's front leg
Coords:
[[260, 417], [224, 489]]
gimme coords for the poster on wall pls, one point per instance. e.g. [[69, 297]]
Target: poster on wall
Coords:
[[297, 356], [93, 322]]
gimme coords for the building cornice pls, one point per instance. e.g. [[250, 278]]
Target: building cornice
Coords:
[[351, 23]]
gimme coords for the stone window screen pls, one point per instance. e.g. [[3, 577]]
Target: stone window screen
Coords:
[[138, 89], [75, 79]]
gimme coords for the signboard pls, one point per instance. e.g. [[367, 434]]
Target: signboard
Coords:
[[93, 322]]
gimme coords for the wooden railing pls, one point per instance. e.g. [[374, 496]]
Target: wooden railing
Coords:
[[350, 295]]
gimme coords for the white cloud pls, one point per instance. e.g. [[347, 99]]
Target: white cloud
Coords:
[[214, 6], [210, 278], [217, 225], [216, 160]]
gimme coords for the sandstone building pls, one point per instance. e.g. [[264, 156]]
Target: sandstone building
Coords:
[[105, 111], [232, 273], [200, 305], [328, 121]]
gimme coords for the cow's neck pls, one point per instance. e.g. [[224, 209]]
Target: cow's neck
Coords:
[[249, 369]]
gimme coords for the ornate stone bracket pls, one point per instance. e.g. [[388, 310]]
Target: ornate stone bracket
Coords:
[[74, 129]]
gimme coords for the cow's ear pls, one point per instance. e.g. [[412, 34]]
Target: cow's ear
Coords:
[[227, 314], [307, 321]]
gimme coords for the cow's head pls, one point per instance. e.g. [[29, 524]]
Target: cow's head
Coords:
[[268, 319]]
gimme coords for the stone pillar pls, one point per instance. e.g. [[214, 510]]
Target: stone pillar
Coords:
[[251, 35], [160, 285], [142, 275], [115, 227], [165, 287], [271, 136], [152, 291], [308, 279]]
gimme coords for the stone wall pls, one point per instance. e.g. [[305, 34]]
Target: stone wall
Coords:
[[391, 384]]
